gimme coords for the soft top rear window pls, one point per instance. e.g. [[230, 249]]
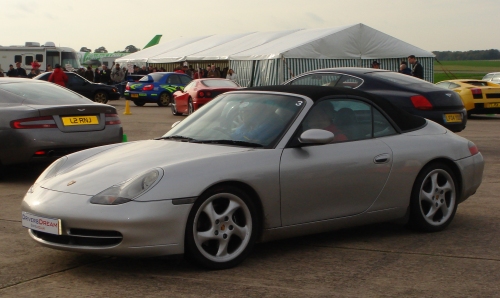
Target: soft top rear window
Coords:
[[43, 93], [397, 78], [219, 83]]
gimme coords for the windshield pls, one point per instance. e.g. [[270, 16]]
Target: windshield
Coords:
[[248, 119], [219, 83], [70, 58]]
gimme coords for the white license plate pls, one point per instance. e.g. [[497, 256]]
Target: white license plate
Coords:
[[42, 224]]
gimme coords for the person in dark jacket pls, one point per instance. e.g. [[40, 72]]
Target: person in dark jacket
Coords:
[[106, 75], [21, 72], [89, 74], [404, 69], [97, 75], [416, 70], [58, 76], [12, 72]]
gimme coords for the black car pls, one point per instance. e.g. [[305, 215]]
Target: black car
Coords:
[[94, 91], [414, 95]]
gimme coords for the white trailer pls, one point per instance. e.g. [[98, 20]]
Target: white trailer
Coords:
[[47, 54]]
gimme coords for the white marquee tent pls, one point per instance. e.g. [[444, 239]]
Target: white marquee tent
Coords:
[[267, 58]]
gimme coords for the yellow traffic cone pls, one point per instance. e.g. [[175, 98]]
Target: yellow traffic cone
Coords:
[[127, 108]]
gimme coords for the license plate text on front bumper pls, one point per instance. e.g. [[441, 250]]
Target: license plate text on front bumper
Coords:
[[42, 224]]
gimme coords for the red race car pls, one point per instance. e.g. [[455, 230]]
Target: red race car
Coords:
[[199, 92]]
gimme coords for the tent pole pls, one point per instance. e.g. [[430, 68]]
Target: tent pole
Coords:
[[253, 74]]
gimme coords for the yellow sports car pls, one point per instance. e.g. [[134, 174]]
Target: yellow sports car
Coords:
[[479, 97]]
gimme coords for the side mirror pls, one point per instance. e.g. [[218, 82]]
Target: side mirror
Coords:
[[175, 124], [316, 136]]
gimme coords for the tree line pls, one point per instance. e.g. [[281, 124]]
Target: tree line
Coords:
[[492, 54], [128, 49]]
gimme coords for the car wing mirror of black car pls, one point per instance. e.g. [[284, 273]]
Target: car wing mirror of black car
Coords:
[[316, 137]]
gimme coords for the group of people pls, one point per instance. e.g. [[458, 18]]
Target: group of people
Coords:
[[211, 71], [416, 70]]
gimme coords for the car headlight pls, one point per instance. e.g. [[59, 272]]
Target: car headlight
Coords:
[[129, 190]]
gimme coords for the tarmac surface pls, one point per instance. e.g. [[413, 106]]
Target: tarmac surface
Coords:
[[381, 260]]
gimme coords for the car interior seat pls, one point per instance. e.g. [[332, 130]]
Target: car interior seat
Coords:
[[345, 120]]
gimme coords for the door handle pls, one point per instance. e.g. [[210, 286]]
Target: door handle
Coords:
[[382, 158]]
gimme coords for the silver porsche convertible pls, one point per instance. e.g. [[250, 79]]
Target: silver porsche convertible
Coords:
[[255, 165]]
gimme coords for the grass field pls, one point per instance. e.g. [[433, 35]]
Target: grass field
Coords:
[[465, 69]]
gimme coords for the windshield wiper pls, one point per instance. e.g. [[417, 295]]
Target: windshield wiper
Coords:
[[229, 142], [177, 137]]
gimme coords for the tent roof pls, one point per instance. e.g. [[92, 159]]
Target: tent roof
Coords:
[[356, 41]]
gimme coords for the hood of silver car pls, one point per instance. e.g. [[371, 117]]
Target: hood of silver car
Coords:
[[113, 166]]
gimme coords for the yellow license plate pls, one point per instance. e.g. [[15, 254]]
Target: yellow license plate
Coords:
[[134, 95], [453, 117], [492, 105], [80, 120]]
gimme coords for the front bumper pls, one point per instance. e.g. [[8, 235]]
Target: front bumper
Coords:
[[142, 96], [472, 175], [142, 229]]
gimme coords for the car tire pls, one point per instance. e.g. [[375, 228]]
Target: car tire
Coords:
[[190, 107], [139, 103], [222, 228], [434, 198], [173, 108], [101, 97], [164, 100]]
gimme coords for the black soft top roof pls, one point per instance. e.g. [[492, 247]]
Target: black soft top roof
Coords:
[[404, 120]]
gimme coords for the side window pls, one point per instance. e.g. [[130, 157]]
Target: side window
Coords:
[[348, 82], [18, 58], [74, 80], [39, 58], [317, 79], [347, 119], [185, 80], [28, 60], [381, 126], [174, 80]]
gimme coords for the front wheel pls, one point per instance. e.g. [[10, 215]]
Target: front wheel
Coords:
[[164, 100], [173, 107], [222, 228], [101, 97], [190, 107], [434, 198]]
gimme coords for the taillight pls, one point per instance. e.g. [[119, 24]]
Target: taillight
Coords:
[[147, 87], [37, 122], [127, 87], [421, 103], [473, 148], [204, 94], [112, 119], [476, 93]]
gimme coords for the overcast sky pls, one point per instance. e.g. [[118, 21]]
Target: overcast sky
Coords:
[[433, 25]]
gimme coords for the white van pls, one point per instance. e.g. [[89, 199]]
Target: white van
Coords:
[[47, 54]]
